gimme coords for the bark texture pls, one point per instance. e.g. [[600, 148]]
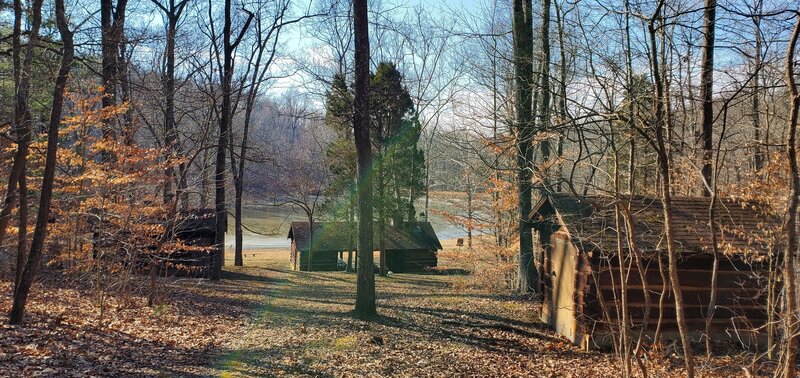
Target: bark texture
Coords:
[[365, 285], [34, 257], [523, 101]]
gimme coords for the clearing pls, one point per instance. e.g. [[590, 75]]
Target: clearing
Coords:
[[265, 320], [429, 325]]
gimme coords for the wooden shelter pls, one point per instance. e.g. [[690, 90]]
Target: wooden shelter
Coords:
[[580, 249], [195, 230], [182, 246], [409, 248]]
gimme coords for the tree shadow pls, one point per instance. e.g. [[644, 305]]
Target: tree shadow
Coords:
[[100, 351], [243, 276], [260, 362]]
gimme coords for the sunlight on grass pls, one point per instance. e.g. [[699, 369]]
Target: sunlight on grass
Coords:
[[454, 300], [344, 343], [233, 363], [316, 344]]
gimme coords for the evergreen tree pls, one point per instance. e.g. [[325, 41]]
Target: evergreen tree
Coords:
[[398, 170]]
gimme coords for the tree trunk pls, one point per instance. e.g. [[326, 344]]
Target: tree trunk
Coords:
[[707, 89], [123, 71], [666, 200], [112, 23], [498, 216], [666, 195], [712, 301], [562, 91], [311, 244], [24, 130], [411, 215], [39, 233], [108, 54], [22, 215], [168, 84], [470, 213], [758, 153], [543, 113], [790, 300], [642, 270], [204, 181], [237, 167], [624, 334], [381, 218], [221, 218], [351, 221], [365, 285], [523, 81], [427, 187], [22, 116], [622, 301], [238, 259], [631, 111]]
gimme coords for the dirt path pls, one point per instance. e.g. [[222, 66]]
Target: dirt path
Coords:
[[426, 328]]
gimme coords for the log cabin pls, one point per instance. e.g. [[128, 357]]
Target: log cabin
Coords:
[[410, 248], [580, 251], [195, 229], [183, 246]]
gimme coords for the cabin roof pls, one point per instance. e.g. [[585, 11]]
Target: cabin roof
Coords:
[[334, 236], [743, 227], [196, 222]]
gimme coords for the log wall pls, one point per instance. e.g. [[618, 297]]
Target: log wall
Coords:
[[410, 261]]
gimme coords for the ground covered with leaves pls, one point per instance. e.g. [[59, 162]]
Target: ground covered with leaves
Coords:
[[265, 320], [73, 329], [429, 325]]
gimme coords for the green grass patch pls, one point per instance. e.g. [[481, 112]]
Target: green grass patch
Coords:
[[344, 343]]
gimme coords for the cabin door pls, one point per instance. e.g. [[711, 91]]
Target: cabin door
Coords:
[[395, 261]]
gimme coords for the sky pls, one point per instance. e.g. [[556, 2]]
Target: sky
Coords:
[[299, 41]]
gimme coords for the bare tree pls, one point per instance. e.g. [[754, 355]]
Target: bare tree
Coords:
[[262, 53], [225, 120], [301, 179], [112, 24], [543, 112], [790, 300], [22, 128], [259, 63], [659, 144], [523, 99], [34, 257], [707, 92], [173, 12]]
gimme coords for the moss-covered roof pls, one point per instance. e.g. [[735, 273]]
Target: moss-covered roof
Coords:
[[336, 236]]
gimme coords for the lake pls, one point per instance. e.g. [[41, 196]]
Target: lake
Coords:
[[267, 227]]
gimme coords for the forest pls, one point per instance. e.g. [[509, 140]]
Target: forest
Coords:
[[560, 188]]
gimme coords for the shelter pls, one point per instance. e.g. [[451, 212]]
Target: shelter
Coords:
[[181, 246], [409, 248], [195, 232], [580, 250]]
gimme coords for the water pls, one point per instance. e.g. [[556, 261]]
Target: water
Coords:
[[275, 224]]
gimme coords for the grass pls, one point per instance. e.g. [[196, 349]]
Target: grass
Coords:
[[426, 328], [266, 320], [428, 325]]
